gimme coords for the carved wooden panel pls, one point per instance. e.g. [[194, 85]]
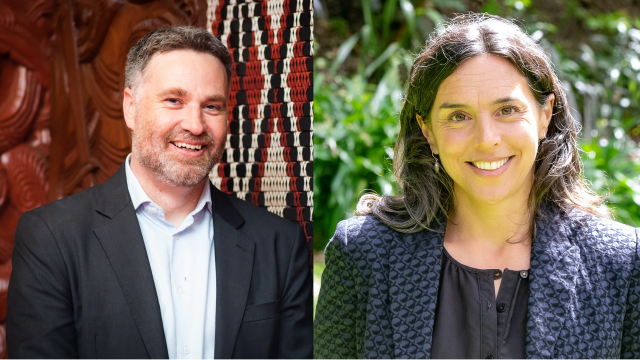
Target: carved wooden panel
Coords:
[[61, 81]]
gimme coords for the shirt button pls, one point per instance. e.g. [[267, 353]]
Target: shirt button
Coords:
[[181, 290], [153, 210], [176, 237], [186, 350], [501, 308], [497, 275], [524, 274]]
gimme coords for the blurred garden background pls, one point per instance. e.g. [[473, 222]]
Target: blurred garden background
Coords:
[[363, 53]]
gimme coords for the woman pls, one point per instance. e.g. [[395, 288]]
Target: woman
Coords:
[[496, 247]]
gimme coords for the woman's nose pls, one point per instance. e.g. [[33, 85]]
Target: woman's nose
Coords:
[[487, 134]]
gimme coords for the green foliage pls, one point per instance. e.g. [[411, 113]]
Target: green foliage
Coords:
[[355, 128], [604, 74], [356, 113], [611, 165]]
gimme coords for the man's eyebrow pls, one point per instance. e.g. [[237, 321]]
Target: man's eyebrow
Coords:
[[217, 97], [177, 91]]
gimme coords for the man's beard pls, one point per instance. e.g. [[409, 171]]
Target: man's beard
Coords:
[[173, 169]]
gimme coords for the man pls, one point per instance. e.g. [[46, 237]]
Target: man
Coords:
[[156, 262]]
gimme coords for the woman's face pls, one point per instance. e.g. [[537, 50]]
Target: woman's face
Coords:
[[485, 125]]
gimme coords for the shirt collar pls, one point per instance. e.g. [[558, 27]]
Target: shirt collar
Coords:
[[139, 196]]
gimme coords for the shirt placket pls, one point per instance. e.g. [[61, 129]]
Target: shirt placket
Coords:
[[190, 254], [181, 293], [488, 329]]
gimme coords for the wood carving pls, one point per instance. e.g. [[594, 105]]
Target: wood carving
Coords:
[[61, 79]]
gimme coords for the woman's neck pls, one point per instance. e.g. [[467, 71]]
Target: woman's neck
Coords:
[[485, 235]]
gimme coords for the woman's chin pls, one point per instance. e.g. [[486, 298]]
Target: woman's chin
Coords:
[[488, 196]]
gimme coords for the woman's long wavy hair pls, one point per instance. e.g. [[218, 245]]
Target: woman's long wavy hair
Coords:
[[427, 194]]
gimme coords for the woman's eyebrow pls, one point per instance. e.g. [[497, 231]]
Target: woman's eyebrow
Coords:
[[504, 100], [453, 106], [447, 105]]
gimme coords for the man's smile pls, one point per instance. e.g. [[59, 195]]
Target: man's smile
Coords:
[[186, 146]]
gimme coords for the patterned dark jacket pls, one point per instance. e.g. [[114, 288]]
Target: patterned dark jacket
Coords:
[[380, 287]]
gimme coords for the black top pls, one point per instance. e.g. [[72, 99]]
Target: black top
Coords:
[[470, 322]]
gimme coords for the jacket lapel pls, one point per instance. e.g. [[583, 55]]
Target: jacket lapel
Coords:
[[414, 275], [555, 263], [234, 265], [122, 242]]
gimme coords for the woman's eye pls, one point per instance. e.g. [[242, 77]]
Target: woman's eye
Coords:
[[507, 111], [458, 117]]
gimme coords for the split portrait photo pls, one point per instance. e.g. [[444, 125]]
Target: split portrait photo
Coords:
[[161, 186], [478, 155]]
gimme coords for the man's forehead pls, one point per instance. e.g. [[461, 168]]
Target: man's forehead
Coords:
[[166, 65]]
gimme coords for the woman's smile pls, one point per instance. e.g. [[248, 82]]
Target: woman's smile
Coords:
[[490, 167]]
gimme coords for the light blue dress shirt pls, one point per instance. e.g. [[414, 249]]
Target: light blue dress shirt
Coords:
[[184, 271]]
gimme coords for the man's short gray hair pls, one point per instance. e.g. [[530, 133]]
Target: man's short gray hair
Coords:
[[168, 39]]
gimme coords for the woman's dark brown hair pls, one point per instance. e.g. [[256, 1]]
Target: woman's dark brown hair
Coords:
[[427, 194]]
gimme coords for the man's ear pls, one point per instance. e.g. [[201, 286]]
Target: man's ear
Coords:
[[428, 134], [545, 116], [129, 108]]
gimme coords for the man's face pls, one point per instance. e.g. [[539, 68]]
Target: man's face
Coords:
[[179, 116]]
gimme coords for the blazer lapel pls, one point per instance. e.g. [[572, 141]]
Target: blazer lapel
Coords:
[[554, 271], [414, 275], [234, 265], [122, 242]]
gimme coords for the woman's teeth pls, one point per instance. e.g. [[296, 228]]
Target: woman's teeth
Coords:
[[490, 165], [187, 146]]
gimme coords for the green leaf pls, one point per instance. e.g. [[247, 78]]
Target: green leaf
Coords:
[[435, 17], [410, 15], [387, 16], [492, 7], [343, 52], [390, 50]]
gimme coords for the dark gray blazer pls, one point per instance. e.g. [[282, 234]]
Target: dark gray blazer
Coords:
[[380, 287], [82, 286]]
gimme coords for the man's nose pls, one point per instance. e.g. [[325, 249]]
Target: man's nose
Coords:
[[487, 135], [193, 120]]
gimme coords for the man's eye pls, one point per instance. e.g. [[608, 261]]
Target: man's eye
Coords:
[[507, 111], [173, 101]]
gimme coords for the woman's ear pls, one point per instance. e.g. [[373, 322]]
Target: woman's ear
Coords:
[[545, 116], [428, 134]]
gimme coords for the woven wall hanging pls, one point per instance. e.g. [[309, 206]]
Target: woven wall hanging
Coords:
[[269, 151]]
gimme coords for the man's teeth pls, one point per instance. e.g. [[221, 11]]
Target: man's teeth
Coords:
[[187, 146], [490, 165]]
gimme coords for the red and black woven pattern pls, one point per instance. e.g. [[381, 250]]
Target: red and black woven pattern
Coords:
[[268, 37], [268, 159], [276, 67], [272, 22]]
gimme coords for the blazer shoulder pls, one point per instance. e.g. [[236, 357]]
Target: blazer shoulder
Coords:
[[71, 207], [365, 234], [603, 237]]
